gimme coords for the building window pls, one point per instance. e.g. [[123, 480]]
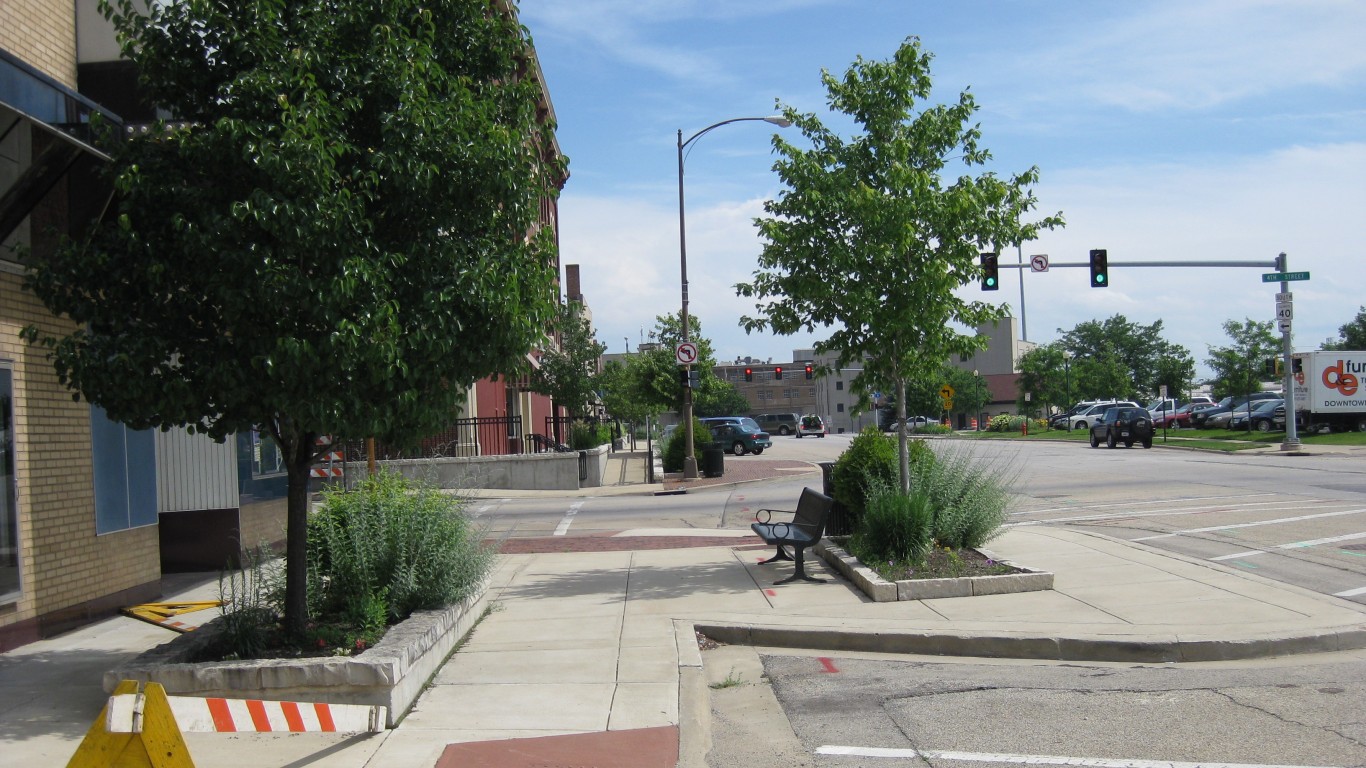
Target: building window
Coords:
[[765, 394], [839, 386], [9, 489], [125, 467], [839, 407], [267, 460]]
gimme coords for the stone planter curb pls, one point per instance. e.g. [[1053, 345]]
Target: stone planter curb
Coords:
[[882, 591], [392, 674]]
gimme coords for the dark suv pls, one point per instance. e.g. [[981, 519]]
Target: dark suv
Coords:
[[1123, 425]]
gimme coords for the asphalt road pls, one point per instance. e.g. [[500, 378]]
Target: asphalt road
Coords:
[[1299, 519], [916, 711]]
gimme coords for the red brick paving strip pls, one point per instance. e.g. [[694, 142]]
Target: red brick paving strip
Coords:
[[639, 748], [744, 469]]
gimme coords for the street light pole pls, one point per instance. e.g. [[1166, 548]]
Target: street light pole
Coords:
[[1067, 370], [689, 455]]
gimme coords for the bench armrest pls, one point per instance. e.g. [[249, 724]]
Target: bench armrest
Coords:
[[766, 515]]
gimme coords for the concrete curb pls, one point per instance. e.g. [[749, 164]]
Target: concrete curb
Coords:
[[1003, 645]]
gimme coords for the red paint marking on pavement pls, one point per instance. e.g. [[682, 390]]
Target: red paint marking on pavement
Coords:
[[770, 593], [828, 663], [222, 718]]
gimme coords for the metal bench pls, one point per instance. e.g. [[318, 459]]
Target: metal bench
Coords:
[[806, 528]]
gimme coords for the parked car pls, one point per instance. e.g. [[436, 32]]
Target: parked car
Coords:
[[743, 420], [778, 423], [740, 438], [1276, 422], [1262, 412], [1126, 425], [1225, 406], [1059, 420], [1181, 417], [811, 425], [1088, 417]]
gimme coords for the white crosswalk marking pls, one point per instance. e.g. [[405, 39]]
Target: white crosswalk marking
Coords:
[[985, 757]]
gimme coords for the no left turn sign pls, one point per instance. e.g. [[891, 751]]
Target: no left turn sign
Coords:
[[685, 353], [1038, 263]]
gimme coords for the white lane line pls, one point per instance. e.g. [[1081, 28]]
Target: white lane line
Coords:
[[1143, 503], [1173, 511], [983, 757], [1277, 521], [563, 527], [1236, 555], [1329, 540], [1350, 592]]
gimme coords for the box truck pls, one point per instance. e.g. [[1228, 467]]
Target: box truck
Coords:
[[1330, 390]]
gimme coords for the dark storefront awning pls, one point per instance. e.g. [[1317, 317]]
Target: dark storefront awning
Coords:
[[32, 101]]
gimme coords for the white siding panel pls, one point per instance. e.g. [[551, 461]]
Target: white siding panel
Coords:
[[194, 472]]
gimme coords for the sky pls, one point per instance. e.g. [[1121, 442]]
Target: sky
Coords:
[[1187, 130]]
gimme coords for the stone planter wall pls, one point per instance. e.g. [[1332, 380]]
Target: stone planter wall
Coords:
[[392, 674], [882, 591]]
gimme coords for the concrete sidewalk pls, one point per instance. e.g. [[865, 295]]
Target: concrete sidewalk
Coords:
[[591, 657]]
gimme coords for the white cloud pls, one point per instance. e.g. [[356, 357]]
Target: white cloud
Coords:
[[1181, 55], [1305, 201]]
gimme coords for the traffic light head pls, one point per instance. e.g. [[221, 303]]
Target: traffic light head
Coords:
[[991, 281], [1100, 268], [778, 372], [749, 374], [808, 371]]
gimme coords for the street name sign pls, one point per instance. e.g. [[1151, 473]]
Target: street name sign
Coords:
[[1282, 277]]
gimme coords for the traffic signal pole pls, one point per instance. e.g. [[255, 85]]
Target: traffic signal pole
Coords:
[[1283, 302]]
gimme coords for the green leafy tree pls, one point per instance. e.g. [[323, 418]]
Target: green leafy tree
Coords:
[[722, 399], [1351, 335], [1239, 368], [1139, 349], [1044, 374], [1102, 374], [332, 239], [623, 393], [568, 370], [1176, 369], [869, 239]]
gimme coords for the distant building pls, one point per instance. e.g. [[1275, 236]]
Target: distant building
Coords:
[[766, 393]]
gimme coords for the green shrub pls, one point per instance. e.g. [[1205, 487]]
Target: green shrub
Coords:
[[870, 459], [894, 527], [934, 429], [969, 496], [250, 596], [391, 547], [672, 452], [583, 435]]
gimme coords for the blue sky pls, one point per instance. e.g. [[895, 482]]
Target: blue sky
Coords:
[[1183, 130]]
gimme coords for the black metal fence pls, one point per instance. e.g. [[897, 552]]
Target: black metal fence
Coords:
[[463, 438]]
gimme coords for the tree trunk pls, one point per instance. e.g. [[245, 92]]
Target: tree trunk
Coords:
[[299, 453], [902, 449]]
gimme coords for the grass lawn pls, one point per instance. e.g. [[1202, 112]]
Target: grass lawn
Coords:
[[1207, 439]]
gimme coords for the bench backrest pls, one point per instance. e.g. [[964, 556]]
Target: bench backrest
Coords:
[[813, 510]]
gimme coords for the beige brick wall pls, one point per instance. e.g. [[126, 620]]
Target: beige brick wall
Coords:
[[42, 33], [263, 523], [63, 562]]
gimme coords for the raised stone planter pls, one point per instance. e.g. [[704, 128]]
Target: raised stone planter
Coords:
[[392, 674], [883, 591]]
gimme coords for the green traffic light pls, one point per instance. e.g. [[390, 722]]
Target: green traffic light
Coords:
[[991, 282], [1100, 278]]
